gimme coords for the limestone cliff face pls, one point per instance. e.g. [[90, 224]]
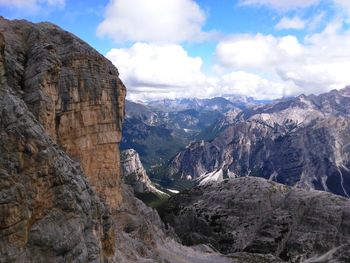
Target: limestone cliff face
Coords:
[[49, 213], [57, 93], [74, 92], [134, 173]]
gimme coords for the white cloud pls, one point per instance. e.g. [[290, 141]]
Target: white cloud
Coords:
[[249, 84], [316, 21], [31, 5], [319, 64], [256, 52], [297, 23], [282, 5], [154, 70], [153, 20], [291, 23]]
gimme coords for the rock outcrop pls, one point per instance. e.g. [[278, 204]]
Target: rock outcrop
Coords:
[[302, 141], [49, 213], [74, 92], [254, 215], [135, 175], [142, 238]]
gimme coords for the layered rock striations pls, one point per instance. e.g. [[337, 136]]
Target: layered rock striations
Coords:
[[256, 216], [74, 92], [49, 213]]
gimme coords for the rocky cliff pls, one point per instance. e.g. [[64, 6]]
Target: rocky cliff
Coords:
[[49, 212], [135, 175], [254, 215], [74, 92], [302, 141]]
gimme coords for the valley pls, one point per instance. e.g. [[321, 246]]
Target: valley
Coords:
[[300, 141]]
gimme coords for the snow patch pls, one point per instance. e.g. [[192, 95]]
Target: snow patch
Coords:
[[215, 176], [173, 191]]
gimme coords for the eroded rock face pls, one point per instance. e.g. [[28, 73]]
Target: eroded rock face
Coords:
[[254, 215], [74, 92], [135, 175], [57, 93], [49, 213], [142, 238]]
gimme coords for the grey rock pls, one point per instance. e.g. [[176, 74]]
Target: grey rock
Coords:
[[49, 213], [302, 142], [142, 237], [135, 175], [254, 215]]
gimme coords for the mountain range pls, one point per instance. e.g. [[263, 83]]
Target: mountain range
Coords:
[[301, 141]]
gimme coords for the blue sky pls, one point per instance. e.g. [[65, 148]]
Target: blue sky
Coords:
[[205, 48]]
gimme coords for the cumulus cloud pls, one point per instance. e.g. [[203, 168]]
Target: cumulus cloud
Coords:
[[153, 71], [256, 52], [153, 20], [291, 23], [249, 84], [317, 65], [282, 5], [261, 66], [31, 5]]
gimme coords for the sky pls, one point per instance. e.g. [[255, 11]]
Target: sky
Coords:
[[264, 49]]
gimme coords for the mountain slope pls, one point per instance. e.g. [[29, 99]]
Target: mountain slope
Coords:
[[158, 135], [302, 141], [254, 215]]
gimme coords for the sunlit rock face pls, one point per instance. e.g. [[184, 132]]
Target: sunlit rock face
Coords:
[[134, 173], [74, 92], [57, 93]]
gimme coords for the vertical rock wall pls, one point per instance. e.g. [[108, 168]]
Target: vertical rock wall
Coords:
[[74, 92], [61, 103]]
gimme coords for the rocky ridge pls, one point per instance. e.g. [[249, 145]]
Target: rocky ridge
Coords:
[[61, 192], [302, 141], [256, 216]]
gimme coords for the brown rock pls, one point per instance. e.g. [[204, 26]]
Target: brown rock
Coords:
[[74, 92], [55, 89]]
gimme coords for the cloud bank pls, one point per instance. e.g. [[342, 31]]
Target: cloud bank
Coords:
[[262, 66]]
